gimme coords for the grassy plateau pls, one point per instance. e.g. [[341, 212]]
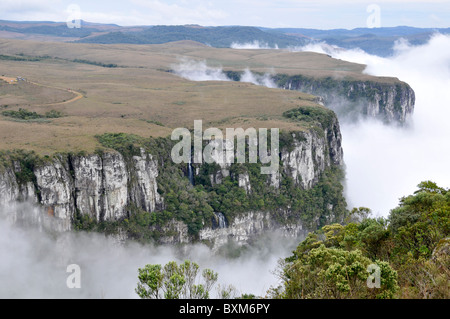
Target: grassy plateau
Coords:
[[98, 88]]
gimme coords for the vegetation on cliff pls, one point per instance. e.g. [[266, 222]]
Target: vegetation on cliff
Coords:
[[410, 247], [195, 204], [408, 252]]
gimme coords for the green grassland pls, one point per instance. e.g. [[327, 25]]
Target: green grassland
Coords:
[[127, 88]]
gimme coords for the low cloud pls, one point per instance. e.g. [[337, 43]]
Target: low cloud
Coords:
[[263, 80], [34, 260], [255, 45], [383, 162], [199, 71]]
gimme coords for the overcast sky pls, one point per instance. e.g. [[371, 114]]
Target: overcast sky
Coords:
[[321, 14]]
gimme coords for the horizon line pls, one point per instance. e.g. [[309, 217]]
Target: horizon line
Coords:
[[218, 26]]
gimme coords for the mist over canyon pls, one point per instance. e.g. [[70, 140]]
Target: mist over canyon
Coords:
[[35, 260], [385, 162], [382, 163]]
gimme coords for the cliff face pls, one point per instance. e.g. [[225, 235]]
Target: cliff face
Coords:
[[311, 153], [248, 227], [308, 154], [110, 186], [389, 102], [98, 186], [303, 162]]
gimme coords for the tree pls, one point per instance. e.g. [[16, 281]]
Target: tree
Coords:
[[420, 232], [150, 282], [175, 281], [335, 273], [420, 222], [357, 215]]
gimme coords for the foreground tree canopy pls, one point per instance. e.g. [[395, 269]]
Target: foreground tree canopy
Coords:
[[410, 249], [175, 281], [406, 255]]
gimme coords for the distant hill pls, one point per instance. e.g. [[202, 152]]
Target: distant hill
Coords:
[[221, 37], [59, 29], [378, 41]]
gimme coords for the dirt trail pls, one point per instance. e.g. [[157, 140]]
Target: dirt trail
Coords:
[[77, 97]]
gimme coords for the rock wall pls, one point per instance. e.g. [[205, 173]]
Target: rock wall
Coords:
[[311, 153], [108, 186], [99, 186], [390, 101], [249, 227]]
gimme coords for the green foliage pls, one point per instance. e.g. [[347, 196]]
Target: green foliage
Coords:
[[311, 114], [234, 75], [19, 58], [226, 292], [153, 122], [104, 65], [315, 206], [334, 273], [53, 114], [185, 202], [411, 249], [87, 223], [175, 281], [150, 282], [143, 226], [84, 222], [23, 114], [358, 214], [420, 221], [127, 144]]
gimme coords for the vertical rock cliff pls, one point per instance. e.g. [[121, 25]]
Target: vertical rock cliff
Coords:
[[311, 153], [389, 101], [145, 195], [100, 186], [307, 156]]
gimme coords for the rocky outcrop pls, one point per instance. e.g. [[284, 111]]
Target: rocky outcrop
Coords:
[[244, 182], [98, 186], [389, 101], [304, 160], [115, 176], [55, 186], [248, 227], [174, 232], [144, 188], [9, 189], [311, 153], [88, 176]]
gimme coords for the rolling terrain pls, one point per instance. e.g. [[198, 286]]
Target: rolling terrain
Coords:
[[131, 89], [377, 41]]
